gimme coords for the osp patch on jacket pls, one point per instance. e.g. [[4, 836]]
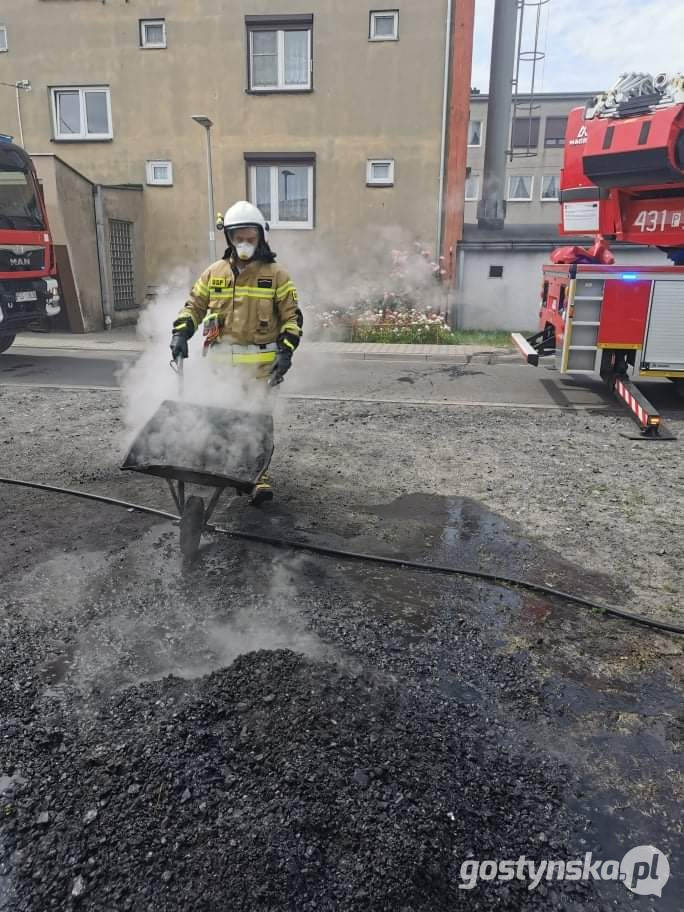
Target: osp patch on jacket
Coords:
[[265, 283]]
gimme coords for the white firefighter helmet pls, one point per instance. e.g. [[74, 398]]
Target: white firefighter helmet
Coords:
[[243, 215]]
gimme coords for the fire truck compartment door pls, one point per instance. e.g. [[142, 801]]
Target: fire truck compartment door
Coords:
[[664, 348]]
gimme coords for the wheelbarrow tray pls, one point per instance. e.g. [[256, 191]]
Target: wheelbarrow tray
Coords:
[[214, 447]]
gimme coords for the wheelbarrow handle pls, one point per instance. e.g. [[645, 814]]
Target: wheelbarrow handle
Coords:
[[177, 365]]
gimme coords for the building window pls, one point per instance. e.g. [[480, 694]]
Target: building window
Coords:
[[554, 132], [525, 133], [82, 113], [153, 33], [3, 38], [550, 185], [159, 173], [520, 187], [283, 191], [280, 57], [384, 25], [472, 188], [380, 172], [474, 133], [496, 272]]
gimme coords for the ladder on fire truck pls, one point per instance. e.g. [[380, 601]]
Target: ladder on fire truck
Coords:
[[622, 180]]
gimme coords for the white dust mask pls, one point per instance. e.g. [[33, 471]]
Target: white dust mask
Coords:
[[245, 250]]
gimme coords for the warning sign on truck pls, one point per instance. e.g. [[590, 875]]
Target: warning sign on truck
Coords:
[[581, 216]]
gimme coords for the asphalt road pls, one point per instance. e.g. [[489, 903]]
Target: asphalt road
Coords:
[[478, 382]]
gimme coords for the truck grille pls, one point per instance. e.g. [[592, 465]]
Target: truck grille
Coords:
[[21, 259]]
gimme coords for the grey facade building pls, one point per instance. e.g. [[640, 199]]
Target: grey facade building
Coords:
[[499, 272], [537, 141]]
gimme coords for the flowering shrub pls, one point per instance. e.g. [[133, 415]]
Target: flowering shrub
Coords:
[[390, 307]]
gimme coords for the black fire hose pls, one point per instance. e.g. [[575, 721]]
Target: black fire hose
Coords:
[[368, 558]]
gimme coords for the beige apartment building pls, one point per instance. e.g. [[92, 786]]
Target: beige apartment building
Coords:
[[331, 120], [537, 141]]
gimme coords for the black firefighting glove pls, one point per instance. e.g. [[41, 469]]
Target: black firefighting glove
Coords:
[[282, 364], [182, 331], [287, 343], [179, 344]]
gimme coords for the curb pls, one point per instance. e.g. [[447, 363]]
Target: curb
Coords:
[[41, 344]]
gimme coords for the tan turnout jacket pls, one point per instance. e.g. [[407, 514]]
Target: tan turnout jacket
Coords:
[[252, 308]]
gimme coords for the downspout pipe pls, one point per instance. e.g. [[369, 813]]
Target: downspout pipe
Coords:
[[491, 210], [102, 256], [445, 113]]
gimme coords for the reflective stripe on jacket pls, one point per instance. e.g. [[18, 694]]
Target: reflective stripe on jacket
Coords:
[[253, 307]]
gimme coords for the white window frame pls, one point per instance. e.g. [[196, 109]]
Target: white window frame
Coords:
[[149, 173], [152, 45], [4, 46], [378, 182], [83, 136], [375, 14], [475, 145], [275, 222], [548, 199], [281, 85], [519, 199], [472, 199]]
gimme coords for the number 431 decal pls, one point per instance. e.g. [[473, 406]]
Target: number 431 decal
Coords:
[[657, 220]]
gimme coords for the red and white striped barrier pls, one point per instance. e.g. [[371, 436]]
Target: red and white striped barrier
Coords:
[[645, 419]]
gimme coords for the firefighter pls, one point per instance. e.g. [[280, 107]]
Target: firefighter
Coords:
[[247, 306]]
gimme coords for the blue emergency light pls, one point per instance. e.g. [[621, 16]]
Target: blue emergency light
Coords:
[[629, 275]]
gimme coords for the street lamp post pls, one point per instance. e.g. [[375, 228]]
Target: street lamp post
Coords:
[[205, 122], [25, 86]]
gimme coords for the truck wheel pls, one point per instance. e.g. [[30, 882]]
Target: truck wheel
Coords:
[[5, 342]]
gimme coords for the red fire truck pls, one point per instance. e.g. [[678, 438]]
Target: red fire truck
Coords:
[[622, 179], [28, 275]]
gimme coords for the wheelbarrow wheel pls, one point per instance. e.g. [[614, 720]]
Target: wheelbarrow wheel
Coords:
[[191, 525]]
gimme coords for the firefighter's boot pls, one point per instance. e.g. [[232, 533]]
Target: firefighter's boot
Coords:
[[263, 491]]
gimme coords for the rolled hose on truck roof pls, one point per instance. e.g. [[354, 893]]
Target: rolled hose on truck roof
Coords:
[[495, 578]]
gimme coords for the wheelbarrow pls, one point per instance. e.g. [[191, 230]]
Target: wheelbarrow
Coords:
[[188, 444]]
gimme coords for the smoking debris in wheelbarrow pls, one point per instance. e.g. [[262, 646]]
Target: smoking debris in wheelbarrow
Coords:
[[203, 445]]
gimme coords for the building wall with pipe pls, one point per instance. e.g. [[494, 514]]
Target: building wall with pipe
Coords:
[[370, 100]]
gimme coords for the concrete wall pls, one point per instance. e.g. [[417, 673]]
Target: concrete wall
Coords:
[[69, 197], [512, 302], [369, 100], [546, 161], [69, 201]]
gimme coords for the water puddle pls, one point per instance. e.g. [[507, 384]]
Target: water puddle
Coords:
[[462, 532]]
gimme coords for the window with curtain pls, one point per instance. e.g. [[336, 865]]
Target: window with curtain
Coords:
[[520, 187], [384, 25], [153, 33], [550, 185], [474, 132], [283, 192], [279, 57], [380, 172]]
